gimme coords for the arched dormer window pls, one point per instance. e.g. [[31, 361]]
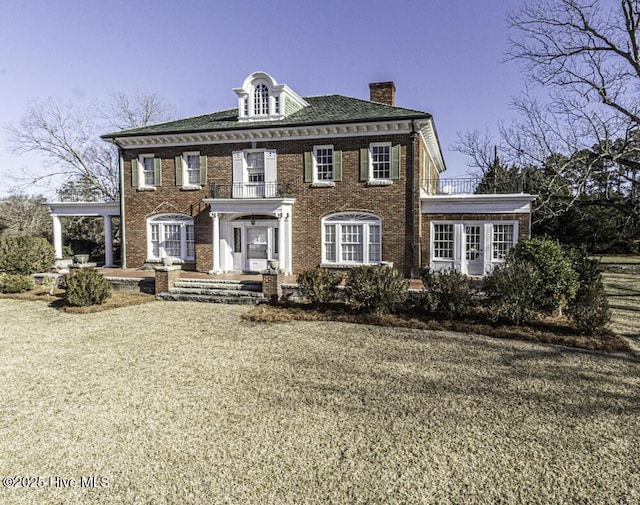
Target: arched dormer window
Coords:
[[261, 100]]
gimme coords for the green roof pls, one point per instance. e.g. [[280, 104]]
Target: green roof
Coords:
[[327, 109]]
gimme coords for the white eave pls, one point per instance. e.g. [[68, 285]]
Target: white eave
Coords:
[[273, 133], [84, 208], [427, 130], [477, 204]]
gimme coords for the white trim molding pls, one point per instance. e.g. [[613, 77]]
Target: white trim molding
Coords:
[[476, 204]]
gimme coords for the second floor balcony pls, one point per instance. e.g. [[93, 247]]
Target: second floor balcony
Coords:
[[476, 186], [83, 195], [250, 190]]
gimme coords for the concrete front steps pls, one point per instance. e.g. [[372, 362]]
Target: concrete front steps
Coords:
[[215, 291]]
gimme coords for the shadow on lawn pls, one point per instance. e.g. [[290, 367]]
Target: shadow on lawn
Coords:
[[444, 377]]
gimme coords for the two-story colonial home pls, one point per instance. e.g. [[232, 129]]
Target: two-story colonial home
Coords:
[[319, 180]]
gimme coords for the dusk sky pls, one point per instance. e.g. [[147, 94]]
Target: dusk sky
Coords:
[[445, 56]]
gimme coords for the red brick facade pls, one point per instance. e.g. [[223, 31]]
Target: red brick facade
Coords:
[[404, 229], [392, 203]]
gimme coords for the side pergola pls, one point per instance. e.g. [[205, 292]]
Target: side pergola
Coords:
[[105, 210]]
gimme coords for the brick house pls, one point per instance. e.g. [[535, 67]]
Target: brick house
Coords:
[[321, 180]]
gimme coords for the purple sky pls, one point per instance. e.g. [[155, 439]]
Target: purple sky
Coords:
[[444, 56]]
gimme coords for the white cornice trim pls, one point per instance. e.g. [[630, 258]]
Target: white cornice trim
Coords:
[[270, 133], [428, 133], [477, 204]]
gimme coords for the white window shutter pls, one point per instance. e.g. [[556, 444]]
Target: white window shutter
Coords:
[[238, 173], [270, 166]]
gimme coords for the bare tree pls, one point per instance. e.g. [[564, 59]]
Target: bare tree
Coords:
[[578, 121], [24, 215], [67, 137]]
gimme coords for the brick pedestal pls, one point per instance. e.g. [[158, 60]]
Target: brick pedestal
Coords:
[[272, 285], [166, 277]]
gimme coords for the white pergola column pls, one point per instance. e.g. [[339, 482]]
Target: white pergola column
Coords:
[[57, 235], [283, 256], [108, 242], [215, 218]]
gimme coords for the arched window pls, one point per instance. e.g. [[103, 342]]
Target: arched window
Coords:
[[170, 236], [261, 100], [351, 238]]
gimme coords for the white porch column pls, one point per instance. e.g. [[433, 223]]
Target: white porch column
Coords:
[[108, 242], [57, 235], [215, 217], [289, 243], [283, 256]]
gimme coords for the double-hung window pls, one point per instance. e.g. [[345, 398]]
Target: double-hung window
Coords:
[[380, 155], [145, 171], [380, 163], [193, 168], [171, 236], [351, 238], [323, 163]]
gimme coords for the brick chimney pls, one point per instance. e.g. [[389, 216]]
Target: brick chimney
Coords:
[[383, 92]]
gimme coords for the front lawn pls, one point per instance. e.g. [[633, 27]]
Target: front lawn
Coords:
[[189, 403]]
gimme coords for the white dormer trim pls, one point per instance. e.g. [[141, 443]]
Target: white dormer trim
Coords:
[[282, 100]]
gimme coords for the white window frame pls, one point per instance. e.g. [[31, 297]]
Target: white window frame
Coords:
[[156, 250], [185, 170], [142, 170], [390, 162], [338, 222], [434, 240], [512, 244], [316, 174]]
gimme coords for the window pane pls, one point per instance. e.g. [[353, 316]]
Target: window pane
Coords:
[[324, 164], [502, 240], [352, 245], [190, 237], [148, 171], [381, 162], [193, 169], [155, 242], [443, 241], [374, 244], [330, 243], [261, 100], [172, 239], [237, 240]]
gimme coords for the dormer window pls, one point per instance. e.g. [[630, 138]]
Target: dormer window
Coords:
[[261, 98]]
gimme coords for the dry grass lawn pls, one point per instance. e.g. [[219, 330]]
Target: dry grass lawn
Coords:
[[180, 403]]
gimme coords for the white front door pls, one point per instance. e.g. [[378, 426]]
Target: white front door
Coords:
[[474, 255], [257, 248]]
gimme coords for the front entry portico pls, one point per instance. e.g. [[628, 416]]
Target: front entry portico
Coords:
[[248, 233]]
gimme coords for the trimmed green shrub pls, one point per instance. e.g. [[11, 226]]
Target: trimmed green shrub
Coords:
[[512, 292], [86, 286], [446, 292], [319, 286], [589, 309], [15, 283], [558, 280], [25, 255], [376, 289]]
